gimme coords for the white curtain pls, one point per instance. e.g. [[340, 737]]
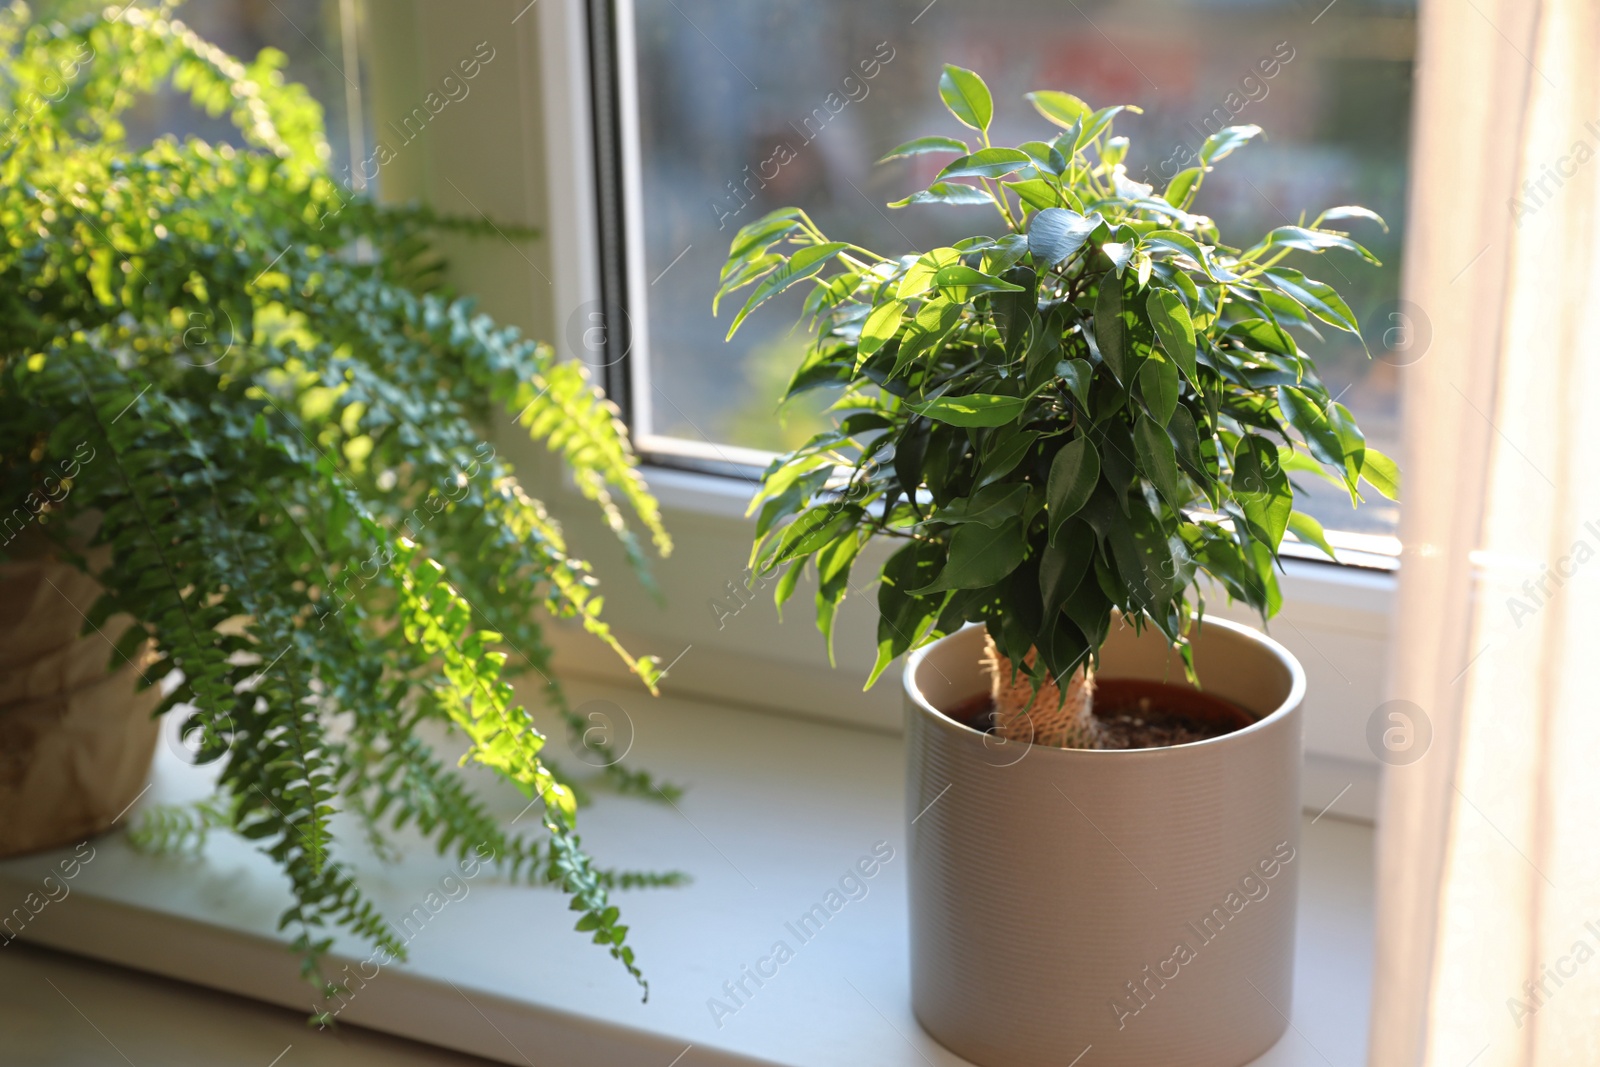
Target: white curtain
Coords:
[[1489, 849]]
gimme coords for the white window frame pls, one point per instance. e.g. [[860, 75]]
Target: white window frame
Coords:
[[1336, 617]]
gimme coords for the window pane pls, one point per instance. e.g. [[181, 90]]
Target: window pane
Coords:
[[727, 90]]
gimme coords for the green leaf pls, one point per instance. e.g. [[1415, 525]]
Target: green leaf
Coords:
[[923, 145], [947, 193], [814, 529], [1110, 332], [1186, 441], [1004, 457], [1036, 193], [1264, 336], [1350, 211], [1077, 374], [1120, 253], [903, 618], [1063, 109], [989, 506], [1262, 489], [1174, 329], [1314, 241], [1352, 441], [1316, 297], [1382, 473], [801, 265], [973, 409], [1073, 474], [918, 278], [1307, 416], [1056, 233], [1062, 565], [968, 99], [766, 230], [1182, 186], [1007, 251], [881, 325], [980, 556], [1223, 143], [1046, 157], [1310, 531], [1158, 384], [987, 163], [963, 282], [1158, 458]]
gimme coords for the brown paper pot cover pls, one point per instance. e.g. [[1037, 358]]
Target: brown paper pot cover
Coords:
[[75, 741], [1050, 889]]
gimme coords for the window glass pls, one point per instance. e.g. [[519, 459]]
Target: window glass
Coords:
[[735, 118]]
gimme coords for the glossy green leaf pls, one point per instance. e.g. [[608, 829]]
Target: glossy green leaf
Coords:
[[1063, 109], [922, 145], [1180, 190], [1036, 193], [1003, 459], [1262, 489], [1382, 473], [1063, 563], [1076, 374], [1159, 460], [802, 265], [1319, 298], [1074, 472], [1350, 211], [1223, 143], [1174, 329], [980, 556], [903, 618], [1307, 416], [989, 506], [1110, 332], [962, 282], [974, 409], [968, 99], [1158, 385], [947, 193], [987, 163], [880, 327], [1310, 531], [1055, 233], [918, 278], [1314, 241]]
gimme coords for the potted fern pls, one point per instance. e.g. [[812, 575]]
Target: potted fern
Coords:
[[241, 438], [1078, 426]]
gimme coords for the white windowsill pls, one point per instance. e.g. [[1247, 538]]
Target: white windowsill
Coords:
[[777, 810]]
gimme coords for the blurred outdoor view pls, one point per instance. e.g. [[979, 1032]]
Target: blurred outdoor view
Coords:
[[722, 85]]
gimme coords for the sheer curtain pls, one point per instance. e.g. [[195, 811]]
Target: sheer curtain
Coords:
[[1489, 851]]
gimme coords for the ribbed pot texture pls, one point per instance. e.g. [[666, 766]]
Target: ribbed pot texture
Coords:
[[1139, 904]]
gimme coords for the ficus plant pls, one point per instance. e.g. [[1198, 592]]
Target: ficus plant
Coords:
[[1092, 411], [243, 385]]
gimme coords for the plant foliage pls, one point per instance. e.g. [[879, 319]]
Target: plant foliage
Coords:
[[1084, 413], [277, 423]]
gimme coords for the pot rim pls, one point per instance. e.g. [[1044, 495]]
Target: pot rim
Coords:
[[1291, 703]]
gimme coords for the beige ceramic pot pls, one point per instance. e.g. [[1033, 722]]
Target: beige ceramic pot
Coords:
[[1138, 903]]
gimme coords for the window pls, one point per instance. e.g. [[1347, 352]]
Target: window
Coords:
[[696, 98]]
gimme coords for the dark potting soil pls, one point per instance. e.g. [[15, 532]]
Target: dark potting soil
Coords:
[[1139, 714]]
